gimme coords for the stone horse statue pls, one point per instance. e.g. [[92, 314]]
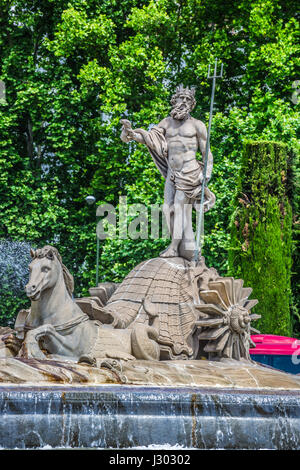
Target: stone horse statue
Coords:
[[55, 327]]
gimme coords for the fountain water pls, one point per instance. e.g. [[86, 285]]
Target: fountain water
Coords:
[[128, 417], [14, 259]]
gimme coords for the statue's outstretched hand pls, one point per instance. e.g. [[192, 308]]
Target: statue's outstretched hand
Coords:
[[127, 133]]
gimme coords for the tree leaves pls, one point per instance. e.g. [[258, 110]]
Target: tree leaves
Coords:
[[73, 70]]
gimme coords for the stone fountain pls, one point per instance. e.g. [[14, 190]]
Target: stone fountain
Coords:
[[161, 358]]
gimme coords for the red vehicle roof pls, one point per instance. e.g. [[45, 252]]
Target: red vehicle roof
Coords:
[[273, 344]]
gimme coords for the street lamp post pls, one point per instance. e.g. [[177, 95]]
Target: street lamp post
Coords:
[[91, 200]]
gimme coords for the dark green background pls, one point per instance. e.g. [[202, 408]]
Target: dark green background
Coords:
[[72, 70]]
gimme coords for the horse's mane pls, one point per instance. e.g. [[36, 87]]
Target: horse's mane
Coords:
[[49, 252]]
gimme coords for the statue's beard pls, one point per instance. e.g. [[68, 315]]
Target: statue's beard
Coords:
[[180, 111]]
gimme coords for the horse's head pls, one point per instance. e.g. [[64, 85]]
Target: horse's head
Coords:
[[45, 269]]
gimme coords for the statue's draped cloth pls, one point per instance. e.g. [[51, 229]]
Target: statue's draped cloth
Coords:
[[188, 182]]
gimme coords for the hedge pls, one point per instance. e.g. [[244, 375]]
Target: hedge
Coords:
[[261, 234]]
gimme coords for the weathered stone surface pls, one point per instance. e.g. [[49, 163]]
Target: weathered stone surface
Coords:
[[56, 325], [159, 312], [202, 373]]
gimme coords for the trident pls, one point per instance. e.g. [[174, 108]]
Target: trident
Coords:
[[200, 225]]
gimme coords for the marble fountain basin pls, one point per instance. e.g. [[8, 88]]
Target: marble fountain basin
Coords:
[[191, 404]]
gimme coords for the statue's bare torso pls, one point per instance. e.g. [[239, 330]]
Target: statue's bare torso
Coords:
[[184, 138]]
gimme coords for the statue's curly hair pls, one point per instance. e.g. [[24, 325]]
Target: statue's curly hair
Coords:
[[186, 91]]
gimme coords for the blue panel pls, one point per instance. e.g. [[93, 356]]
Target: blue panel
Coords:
[[281, 362]]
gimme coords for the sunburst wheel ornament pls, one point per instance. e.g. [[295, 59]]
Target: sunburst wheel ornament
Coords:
[[225, 318]]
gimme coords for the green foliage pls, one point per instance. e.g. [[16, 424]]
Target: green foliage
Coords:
[[294, 197], [73, 69], [261, 234]]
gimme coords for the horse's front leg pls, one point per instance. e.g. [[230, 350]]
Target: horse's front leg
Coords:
[[30, 346], [56, 343]]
